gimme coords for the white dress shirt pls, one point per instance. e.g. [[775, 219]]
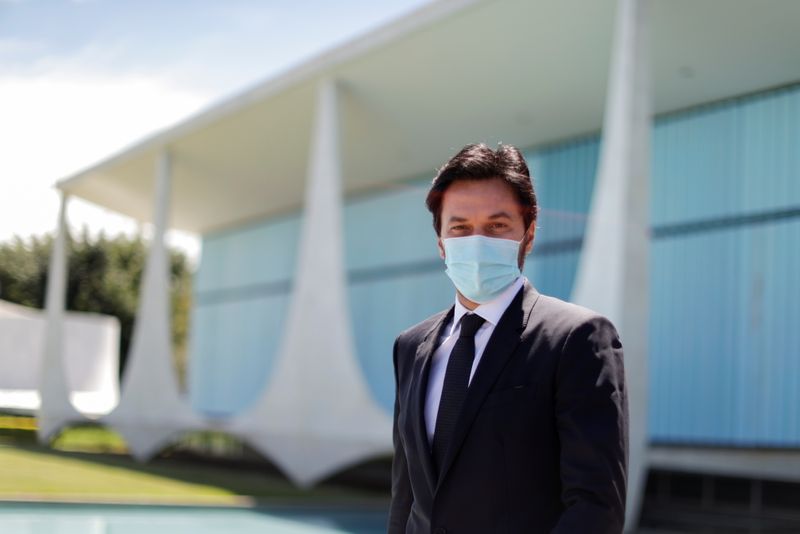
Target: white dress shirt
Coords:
[[491, 311]]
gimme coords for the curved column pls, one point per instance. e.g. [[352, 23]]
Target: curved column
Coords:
[[316, 414], [613, 270], [55, 410], [151, 410]]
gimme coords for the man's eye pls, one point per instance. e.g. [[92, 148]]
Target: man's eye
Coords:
[[457, 227]]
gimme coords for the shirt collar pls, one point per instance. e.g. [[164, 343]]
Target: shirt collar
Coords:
[[493, 310]]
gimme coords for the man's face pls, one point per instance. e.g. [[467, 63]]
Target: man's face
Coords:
[[483, 207]]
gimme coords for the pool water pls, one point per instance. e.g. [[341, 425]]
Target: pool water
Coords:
[[47, 518]]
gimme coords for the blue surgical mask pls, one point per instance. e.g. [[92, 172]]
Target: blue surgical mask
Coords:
[[481, 267]]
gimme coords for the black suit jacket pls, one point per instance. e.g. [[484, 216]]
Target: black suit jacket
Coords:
[[541, 443]]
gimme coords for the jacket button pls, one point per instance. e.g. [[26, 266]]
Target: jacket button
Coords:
[[440, 530]]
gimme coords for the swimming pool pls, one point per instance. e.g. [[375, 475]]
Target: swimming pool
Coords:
[[41, 518]]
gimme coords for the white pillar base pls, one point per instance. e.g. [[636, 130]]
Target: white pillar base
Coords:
[[316, 414], [56, 410], [151, 409]]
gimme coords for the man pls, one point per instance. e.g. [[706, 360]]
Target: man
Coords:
[[511, 411]]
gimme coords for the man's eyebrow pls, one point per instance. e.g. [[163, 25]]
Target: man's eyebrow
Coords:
[[499, 215], [455, 218]]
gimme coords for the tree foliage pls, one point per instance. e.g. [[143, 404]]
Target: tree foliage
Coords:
[[103, 277]]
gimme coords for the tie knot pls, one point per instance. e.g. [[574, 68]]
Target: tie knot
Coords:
[[470, 324]]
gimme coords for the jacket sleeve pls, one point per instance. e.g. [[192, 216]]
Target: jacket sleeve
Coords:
[[591, 411], [402, 498]]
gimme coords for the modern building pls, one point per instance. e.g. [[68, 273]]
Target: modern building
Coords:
[[681, 221]]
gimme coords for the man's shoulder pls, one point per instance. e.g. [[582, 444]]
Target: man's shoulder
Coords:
[[563, 317], [416, 333]]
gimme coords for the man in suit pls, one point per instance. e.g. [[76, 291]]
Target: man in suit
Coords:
[[511, 411]]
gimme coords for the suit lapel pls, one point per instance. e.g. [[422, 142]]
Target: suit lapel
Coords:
[[501, 345], [422, 365]]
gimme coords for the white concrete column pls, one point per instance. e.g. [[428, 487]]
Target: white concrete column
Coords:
[[151, 410], [316, 414], [55, 410], [613, 270]]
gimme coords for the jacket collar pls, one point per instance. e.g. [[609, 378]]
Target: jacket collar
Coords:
[[422, 364]]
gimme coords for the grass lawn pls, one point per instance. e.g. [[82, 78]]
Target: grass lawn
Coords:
[[30, 471], [33, 474]]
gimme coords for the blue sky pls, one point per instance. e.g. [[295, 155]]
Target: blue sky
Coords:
[[83, 78], [209, 45]]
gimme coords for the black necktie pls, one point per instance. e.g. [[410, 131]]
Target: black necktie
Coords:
[[454, 389]]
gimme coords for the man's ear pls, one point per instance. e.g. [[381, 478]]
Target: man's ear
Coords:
[[530, 234], [440, 246]]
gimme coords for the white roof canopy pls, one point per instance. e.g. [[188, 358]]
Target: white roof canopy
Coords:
[[524, 72]]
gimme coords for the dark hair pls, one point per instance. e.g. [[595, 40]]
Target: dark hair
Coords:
[[479, 162]]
